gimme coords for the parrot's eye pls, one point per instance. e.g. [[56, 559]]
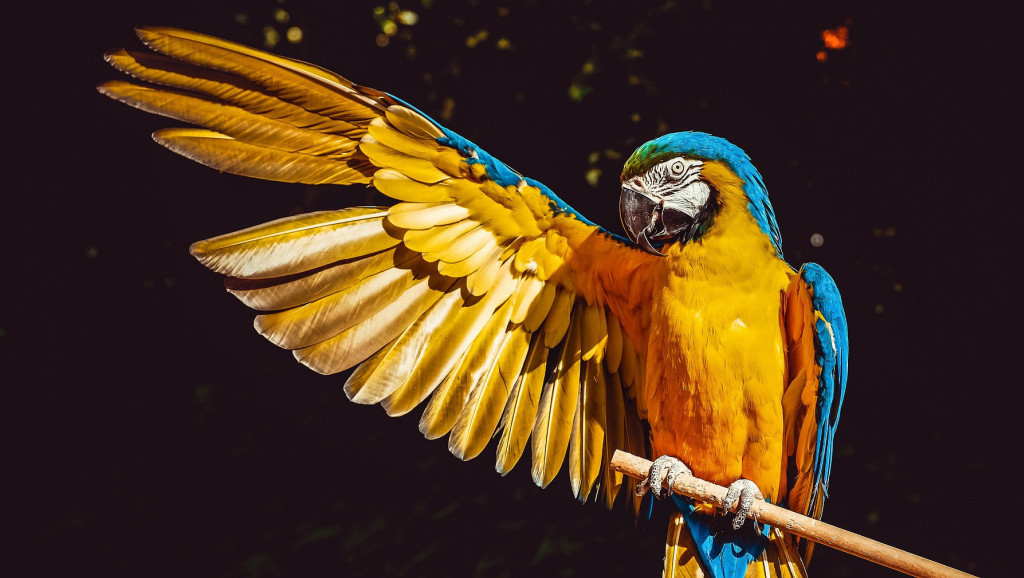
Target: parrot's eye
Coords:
[[676, 169]]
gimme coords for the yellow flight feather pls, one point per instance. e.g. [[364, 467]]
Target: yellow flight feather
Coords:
[[557, 321], [487, 252], [173, 40], [358, 342], [386, 135], [483, 409], [421, 216], [226, 154], [309, 86], [446, 405], [444, 344], [296, 244], [237, 123], [540, 307], [635, 439], [615, 435], [363, 372], [613, 350], [412, 123], [556, 408], [595, 332], [403, 188], [628, 366], [276, 293], [227, 88], [521, 408], [481, 280], [529, 290], [586, 442], [322, 319], [430, 350], [411, 352], [384, 156], [465, 245], [432, 241]]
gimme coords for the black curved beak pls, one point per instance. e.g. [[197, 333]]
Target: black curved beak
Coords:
[[646, 218], [639, 214]]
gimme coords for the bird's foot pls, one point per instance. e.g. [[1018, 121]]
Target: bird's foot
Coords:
[[663, 474], [745, 491]]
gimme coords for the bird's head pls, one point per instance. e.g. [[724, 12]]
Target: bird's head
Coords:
[[675, 185]]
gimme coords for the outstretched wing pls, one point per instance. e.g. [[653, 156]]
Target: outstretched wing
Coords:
[[815, 328], [480, 289]]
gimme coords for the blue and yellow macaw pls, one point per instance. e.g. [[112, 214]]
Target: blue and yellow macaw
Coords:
[[484, 295]]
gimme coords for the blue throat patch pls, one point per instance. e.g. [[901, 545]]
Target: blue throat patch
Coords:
[[725, 552]]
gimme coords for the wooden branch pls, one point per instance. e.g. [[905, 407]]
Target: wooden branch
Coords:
[[815, 530]]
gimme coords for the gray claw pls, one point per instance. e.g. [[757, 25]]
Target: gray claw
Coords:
[[655, 478], [675, 469], [746, 491]]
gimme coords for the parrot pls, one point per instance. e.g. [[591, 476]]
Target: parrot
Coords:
[[484, 298]]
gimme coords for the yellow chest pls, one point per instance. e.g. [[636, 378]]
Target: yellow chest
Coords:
[[716, 359]]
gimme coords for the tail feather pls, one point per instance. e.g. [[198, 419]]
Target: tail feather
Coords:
[[778, 560]]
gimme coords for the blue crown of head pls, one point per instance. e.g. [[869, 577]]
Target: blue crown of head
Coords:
[[712, 148]]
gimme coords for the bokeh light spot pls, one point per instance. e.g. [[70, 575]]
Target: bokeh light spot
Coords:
[[270, 36]]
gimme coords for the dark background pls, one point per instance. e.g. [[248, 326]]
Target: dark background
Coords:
[[153, 433]]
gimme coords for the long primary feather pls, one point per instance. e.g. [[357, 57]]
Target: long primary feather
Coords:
[[296, 244], [557, 407], [482, 412], [586, 443], [521, 409]]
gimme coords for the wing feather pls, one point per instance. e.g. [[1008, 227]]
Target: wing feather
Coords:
[[231, 121], [324, 318], [425, 215], [814, 324], [586, 443], [488, 250], [448, 401], [557, 408], [479, 289], [226, 88], [410, 359], [276, 293], [296, 244], [398, 186], [557, 321], [482, 412], [355, 344], [521, 408], [224, 153], [540, 307], [615, 433]]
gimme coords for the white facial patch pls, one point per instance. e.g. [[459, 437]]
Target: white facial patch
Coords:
[[678, 182]]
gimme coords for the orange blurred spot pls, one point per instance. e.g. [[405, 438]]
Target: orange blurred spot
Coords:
[[821, 56], [836, 38]]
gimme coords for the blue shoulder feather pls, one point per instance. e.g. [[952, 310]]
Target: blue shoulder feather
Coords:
[[832, 346]]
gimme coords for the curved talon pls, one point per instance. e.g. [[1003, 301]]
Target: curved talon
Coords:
[[746, 492], [675, 469], [657, 479]]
